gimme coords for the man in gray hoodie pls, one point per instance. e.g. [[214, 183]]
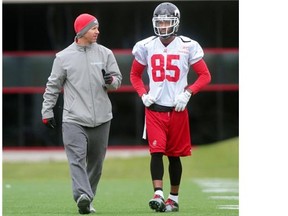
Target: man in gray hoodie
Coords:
[[85, 71]]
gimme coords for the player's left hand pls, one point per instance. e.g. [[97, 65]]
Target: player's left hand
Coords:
[[182, 100]]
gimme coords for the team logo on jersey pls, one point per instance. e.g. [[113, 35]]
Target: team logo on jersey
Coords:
[[184, 49]]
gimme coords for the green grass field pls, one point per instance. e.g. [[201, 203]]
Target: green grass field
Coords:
[[209, 185]]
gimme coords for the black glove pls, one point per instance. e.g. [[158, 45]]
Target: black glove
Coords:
[[107, 77], [50, 122]]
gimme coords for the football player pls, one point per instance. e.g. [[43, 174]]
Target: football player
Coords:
[[168, 58]]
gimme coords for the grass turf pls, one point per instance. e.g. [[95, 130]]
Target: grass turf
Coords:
[[44, 188]]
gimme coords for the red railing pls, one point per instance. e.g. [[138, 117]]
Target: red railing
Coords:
[[123, 88]]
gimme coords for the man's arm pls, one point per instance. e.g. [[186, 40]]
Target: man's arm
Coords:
[[52, 91], [113, 76], [204, 76], [136, 77]]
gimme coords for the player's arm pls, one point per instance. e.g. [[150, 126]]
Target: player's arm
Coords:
[[136, 72], [204, 77]]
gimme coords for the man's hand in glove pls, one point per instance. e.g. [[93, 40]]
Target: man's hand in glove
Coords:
[[182, 100], [50, 122], [147, 100], [108, 78]]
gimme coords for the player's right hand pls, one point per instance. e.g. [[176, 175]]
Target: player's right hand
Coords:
[[50, 122], [147, 100]]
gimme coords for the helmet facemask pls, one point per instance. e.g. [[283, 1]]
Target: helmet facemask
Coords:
[[165, 26]]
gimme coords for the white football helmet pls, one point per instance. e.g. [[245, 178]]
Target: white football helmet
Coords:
[[166, 19]]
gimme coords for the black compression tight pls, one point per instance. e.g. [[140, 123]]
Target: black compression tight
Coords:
[[175, 170], [157, 168]]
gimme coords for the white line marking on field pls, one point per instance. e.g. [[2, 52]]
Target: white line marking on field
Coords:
[[220, 190], [217, 183], [224, 197], [219, 186], [228, 206]]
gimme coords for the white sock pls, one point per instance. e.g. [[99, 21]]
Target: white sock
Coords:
[[174, 198], [159, 192]]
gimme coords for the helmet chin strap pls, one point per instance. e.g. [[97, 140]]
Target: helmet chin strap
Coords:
[[166, 37]]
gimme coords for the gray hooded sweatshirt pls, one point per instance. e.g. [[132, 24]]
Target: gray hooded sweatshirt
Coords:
[[78, 71]]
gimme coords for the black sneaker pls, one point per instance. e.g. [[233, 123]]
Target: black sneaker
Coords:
[[83, 204]]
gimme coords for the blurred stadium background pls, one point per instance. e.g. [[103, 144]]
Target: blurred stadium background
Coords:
[[33, 31]]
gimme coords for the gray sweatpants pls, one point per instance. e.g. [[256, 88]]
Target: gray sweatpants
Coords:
[[85, 149]]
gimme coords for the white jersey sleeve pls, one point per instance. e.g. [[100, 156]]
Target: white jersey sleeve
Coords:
[[195, 50], [140, 51]]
